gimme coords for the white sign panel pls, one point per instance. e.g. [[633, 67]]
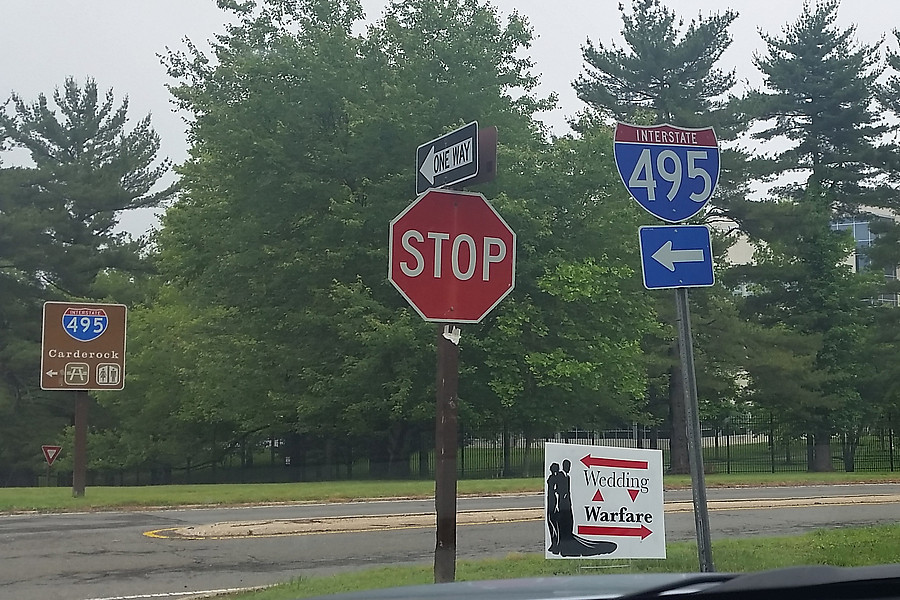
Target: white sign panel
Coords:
[[603, 502]]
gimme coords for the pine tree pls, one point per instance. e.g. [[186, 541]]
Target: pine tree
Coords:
[[88, 168], [821, 101], [57, 234], [822, 97], [668, 74]]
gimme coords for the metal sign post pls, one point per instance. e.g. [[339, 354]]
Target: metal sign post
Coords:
[[82, 348], [79, 458], [452, 256], [672, 173], [695, 439]]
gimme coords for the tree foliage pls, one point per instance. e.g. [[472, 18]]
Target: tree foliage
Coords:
[[821, 99], [262, 309], [301, 135], [57, 233], [88, 168], [667, 73]]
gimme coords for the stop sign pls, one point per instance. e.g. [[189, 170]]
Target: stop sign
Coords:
[[452, 256]]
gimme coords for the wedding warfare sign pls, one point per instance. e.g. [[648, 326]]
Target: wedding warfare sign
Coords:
[[603, 502]]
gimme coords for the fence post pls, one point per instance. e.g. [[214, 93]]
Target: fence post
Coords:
[[772, 440], [891, 440], [507, 451], [727, 452], [462, 453]]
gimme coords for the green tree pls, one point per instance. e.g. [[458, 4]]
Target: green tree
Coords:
[[821, 99], [87, 168], [301, 140], [564, 351], [57, 234], [830, 116], [549, 357], [667, 74], [300, 157]]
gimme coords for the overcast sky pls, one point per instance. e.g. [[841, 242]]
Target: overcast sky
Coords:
[[117, 41]]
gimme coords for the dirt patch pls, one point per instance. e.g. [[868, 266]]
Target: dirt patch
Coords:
[[356, 524], [277, 527]]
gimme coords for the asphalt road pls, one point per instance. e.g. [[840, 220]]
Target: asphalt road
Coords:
[[108, 555]]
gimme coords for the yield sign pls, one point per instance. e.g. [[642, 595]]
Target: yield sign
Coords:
[[50, 453]]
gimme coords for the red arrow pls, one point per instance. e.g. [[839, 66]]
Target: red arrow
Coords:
[[643, 532], [618, 463], [598, 497]]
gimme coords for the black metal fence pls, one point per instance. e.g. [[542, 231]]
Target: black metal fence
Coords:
[[744, 445], [759, 446], [749, 444]]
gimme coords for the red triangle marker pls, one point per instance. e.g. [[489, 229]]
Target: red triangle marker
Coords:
[[633, 494], [598, 497], [50, 453]]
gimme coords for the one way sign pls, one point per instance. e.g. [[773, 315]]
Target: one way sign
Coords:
[[449, 159], [674, 256]]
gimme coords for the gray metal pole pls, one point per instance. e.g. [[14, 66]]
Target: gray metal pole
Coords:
[[695, 441]]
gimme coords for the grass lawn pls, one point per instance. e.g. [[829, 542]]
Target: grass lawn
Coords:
[[836, 547], [98, 498], [101, 497]]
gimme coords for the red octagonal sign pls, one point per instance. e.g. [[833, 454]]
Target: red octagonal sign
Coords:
[[452, 256]]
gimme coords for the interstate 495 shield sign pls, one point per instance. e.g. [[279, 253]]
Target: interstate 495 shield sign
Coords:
[[670, 171]]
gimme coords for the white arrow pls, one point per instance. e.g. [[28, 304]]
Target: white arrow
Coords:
[[448, 159], [427, 168], [668, 257], [52, 373], [452, 334]]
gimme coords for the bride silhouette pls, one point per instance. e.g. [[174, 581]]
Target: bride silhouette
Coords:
[[561, 520]]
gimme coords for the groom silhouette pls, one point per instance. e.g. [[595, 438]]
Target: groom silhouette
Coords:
[[561, 520]]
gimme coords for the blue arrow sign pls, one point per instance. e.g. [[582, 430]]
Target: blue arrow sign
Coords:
[[670, 171], [674, 256]]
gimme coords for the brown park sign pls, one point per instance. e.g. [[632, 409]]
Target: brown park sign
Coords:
[[83, 346]]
